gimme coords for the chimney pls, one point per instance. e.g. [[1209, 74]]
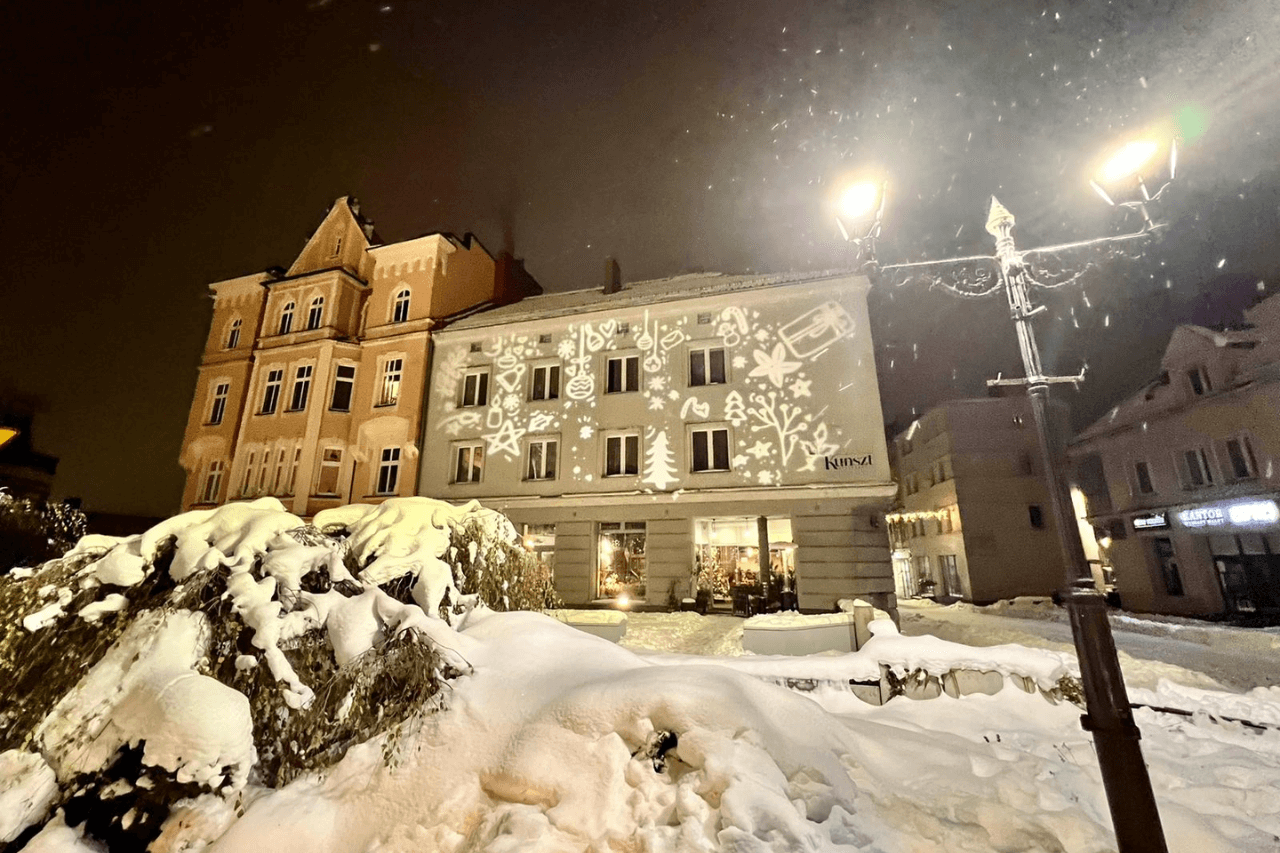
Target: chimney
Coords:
[[612, 276]]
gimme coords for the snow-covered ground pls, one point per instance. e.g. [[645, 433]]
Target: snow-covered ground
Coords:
[[1197, 654]]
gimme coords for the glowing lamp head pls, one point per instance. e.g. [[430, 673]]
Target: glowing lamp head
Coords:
[[624, 600], [1127, 161], [860, 200], [7, 434]]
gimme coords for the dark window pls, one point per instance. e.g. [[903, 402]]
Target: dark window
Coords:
[[1035, 514], [623, 374], [401, 311], [544, 339], [316, 313], [1167, 561], [389, 471], [1240, 452], [330, 465], [271, 395], [301, 388], [392, 371], [1198, 472], [624, 328], [546, 383], [343, 383], [1199, 381], [475, 388], [219, 403], [621, 455], [286, 319], [475, 347], [711, 449], [542, 460], [233, 339], [704, 319], [1143, 475], [706, 366], [469, 463]]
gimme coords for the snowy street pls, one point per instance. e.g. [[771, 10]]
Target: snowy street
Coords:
[[1196, 654]]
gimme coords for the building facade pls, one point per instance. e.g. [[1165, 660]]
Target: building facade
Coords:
[[1181, 481], [659, 437], [973, 519], [312, 383]]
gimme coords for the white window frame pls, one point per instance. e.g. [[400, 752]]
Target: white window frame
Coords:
[[278, 482], [389, 379], [247, 480], [334, 465], [705, 351], [1203, 468], [400, 305], [218, 402], [271, 390], [315, 314], [212, 482], [349, 381], [623, 359], [620, 438], [301, 379], [233, 335], [388, 471], [475, 472], [479, 396], [551, 375], [708, 431], [293, 471], [1247, 456], [286, 318], [537, 468]]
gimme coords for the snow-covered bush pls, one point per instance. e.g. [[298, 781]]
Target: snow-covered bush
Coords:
[[237, 644], [32, 532]]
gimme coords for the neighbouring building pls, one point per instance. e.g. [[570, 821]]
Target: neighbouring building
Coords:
[[973, 519], [1180, 479], [645, 436], [312, 382], [24, 471]]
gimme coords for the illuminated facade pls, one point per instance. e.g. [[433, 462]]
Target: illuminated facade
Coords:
[[1181, 478], [646, 435], [312, 382], [973, 518]]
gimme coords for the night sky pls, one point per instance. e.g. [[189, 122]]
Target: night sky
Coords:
[[151, 148]]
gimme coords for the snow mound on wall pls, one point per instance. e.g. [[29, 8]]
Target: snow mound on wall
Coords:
[[938, 657], [28, 787]]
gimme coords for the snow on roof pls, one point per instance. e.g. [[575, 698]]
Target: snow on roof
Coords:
[[636, 294]]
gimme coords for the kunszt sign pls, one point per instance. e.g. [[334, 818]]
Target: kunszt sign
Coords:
[[1251, 514]]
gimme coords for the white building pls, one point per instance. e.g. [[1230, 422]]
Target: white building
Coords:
[[1181, 479], [640, 433]]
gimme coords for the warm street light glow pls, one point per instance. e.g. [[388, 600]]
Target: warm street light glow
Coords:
[[860, 200], [7, 434], [1127, 161]]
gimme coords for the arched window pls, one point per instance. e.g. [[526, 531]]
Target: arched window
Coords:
[[233, 336], [316, 312], [401, 311], [286, 319]]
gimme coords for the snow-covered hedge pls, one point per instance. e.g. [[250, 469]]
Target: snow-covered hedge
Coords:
[[232, 645]]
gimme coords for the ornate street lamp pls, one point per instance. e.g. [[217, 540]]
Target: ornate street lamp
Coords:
[[1017, 272]]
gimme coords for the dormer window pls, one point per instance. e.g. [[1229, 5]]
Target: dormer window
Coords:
[[233, 336], [286, 319], [337, 248], [400, 313], [1199, 381], [316, 313]]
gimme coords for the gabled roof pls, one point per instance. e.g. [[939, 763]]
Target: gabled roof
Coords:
[[340, 241]]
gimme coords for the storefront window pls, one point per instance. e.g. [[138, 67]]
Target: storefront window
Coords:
[[1168, 564], [620, 564], [727, 554], [540, 540]]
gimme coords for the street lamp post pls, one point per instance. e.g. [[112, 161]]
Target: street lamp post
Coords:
[[1108, 716]]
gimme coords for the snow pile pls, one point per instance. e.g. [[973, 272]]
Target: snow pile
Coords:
[[588, 617], [786, 619], [28, 788]]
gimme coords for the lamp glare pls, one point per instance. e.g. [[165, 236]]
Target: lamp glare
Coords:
[[1128, 160], [860, 200]]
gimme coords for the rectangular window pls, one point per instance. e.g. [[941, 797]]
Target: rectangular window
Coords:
[[544, 338], [279, 481], [620, 566], [392, 370], [1035, 514], [546, 383], [247, 481], [950, 574], [344, 383], [1167, 562], [706, 366], [622, 374], [301, 388], [710, 449], [468, 463], [330, 466], [389, 471], [621, 455], [542, 459], [1199, 381], [1142, 477], [1197, 468], [212, 482], [219, 407], [1240, 452], [293, 471], [475, 387], [271, 396]]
